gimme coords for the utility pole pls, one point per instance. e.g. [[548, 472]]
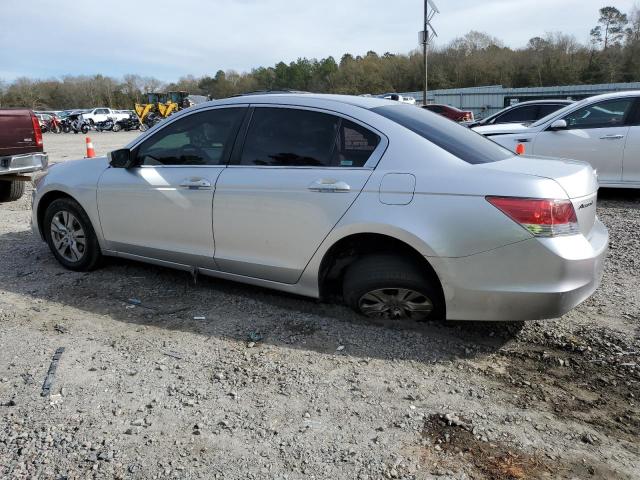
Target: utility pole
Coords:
[[430, 10]]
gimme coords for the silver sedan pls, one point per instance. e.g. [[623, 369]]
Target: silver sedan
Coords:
[[396, 210]]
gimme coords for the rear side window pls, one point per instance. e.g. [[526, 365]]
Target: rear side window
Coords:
[[434, 108], [354, 145], [519, 114], [547, 109], [459, 141], [635, 117], [290, 137]]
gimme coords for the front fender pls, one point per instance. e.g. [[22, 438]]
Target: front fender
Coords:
[[76, 179]]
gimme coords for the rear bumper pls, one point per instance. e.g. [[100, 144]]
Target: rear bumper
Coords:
[[529, 280], [27, 163]]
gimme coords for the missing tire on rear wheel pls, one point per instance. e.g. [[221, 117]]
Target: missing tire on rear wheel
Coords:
[[395, 303]]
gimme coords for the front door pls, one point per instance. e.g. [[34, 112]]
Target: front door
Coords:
[[297, 174], [162, 208], [595, 133]]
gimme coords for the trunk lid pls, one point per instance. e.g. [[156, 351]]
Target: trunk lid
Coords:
[[576, 178], [16, 133]]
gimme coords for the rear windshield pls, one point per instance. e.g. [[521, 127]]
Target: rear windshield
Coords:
[[460, 141]]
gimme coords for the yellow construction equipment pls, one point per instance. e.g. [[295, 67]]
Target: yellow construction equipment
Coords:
[[174, 102], [144, 109], [162, 104]]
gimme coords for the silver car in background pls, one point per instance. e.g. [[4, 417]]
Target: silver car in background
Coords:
[[400, 212], [603, 130]]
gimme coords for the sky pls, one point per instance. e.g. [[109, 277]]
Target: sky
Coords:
[[168, 39]]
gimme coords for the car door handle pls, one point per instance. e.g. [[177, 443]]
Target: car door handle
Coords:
[[195, 183], [329, 185], [612, 137]]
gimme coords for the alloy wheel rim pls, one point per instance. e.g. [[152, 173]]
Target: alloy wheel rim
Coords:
[[68, 236], [396, 304]]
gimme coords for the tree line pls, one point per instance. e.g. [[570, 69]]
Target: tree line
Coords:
[[475, 59]]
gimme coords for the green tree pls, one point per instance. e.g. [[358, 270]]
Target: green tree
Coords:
[[610, 30]]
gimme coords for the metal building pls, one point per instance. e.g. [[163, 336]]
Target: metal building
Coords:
[[484, 101]]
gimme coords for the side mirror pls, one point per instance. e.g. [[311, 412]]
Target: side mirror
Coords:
[[121, 158], [558, 125]]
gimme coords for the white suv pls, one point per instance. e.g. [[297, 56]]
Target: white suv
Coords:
[[102, 114]]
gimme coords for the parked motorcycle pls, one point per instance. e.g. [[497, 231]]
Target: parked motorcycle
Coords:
[[65, 124], [54, 125], [105, 125], [77, 123], [151, 120], [130, 123]]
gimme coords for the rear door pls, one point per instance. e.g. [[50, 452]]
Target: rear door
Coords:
[[595, 133], [298, 172], [631, 159]]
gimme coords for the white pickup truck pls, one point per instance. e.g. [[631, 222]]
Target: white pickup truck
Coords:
[[101, 114]]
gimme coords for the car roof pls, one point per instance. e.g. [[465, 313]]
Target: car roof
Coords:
[[292, 98], [549, 100], [605, 96]]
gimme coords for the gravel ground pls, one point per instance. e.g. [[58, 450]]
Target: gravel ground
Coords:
[[164, 378]]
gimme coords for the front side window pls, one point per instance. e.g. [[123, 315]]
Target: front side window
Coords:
[[290, 137], [610, 113], [204, 138]]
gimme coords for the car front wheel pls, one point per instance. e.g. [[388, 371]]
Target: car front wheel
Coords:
[[70, 235], [391, 287]]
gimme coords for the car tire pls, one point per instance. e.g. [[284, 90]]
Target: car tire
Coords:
[[11, 190], [80, 250], [116, 128], [391, 287]]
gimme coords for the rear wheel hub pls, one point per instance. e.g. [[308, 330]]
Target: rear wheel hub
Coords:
[[395, 303]]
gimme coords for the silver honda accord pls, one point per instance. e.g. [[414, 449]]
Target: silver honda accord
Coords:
[[395, 210]]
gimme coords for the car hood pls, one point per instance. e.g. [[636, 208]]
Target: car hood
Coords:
[[501, 128]]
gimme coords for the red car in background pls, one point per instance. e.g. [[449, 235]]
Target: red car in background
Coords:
[[450, 112]]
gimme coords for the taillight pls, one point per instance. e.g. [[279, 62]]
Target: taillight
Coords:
[[36, 130], [542, 217]]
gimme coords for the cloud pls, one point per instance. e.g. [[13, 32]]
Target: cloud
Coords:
[[168, 39]]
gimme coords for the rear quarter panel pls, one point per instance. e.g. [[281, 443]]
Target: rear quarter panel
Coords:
[[449, 215]]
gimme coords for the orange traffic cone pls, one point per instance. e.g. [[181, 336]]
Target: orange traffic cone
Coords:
[[91, 153], [520, 149]]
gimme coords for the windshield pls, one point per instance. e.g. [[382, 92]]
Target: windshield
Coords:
[[456, 139], [559, 113]]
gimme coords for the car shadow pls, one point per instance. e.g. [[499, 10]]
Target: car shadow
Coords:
[[148, 295], [626, 197]]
